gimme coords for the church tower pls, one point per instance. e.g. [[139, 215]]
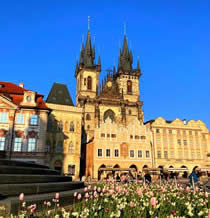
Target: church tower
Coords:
[[128, 78], [87, 72]]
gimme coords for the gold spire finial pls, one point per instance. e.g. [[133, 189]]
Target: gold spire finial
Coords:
[[88, 23]]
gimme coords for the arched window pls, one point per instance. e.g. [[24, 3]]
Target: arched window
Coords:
[[129, 112], [109, 113], [89, 83], [129, 86], [49, 124], [60, 146], [88, 117], [72, 126], [60, 126], [71, 147]]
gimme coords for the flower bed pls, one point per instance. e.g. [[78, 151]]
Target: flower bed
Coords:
[[130, 200]]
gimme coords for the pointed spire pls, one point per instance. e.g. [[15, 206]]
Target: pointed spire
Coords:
[[125, 51], [114, 70], [138, 65], [99, 60], [77, 68]]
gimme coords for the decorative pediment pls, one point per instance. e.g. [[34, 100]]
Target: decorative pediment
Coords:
[[6, 103]]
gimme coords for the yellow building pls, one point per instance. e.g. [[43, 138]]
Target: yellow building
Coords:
[[64, 131], [178, 143]]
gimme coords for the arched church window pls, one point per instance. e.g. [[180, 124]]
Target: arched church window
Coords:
[[109, 113], [89, 83], [88, 117], [71, 147], [129, 86], [72, 126]]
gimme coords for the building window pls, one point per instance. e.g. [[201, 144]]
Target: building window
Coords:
[[198, 155], [89, 83], [158, 141], [178, 132], [197, 143], [131, 153], [71, 148], [85, 81], [129, 86], [113, 135], [103, 135], [143, 137], [185, 142], [60, 126], [71, 170], [20, 119], [60, 147], [165, 154], [116, 152], [3, 117], [172, 154], [2, 143], [196, 133], [129, 112], [136, 137], [34, 120], [190, 132], [107, 152], [140, 154], [31, 144], [72, 126], [131, 136], [157, 130], [88, 117], [180, 154], [108, 135], [170, 131], [147, 154], [17, 144], [191, 142], [165, 141], [179, 141], [159, 154], [184, 132], [193, 155], [100, 152]]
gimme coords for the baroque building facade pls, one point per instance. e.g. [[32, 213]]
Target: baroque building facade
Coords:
[[180, 144], [23, 123]]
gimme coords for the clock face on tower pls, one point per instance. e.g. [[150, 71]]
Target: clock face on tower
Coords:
[[28, 98], [109, 84]]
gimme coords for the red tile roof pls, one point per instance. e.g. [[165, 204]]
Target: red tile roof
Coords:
[[16, 93]]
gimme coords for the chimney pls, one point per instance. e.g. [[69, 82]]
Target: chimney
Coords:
[[21, 85]]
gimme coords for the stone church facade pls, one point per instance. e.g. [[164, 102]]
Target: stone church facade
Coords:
[[112, 114]]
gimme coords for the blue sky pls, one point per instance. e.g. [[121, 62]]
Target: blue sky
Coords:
[[40, 42]]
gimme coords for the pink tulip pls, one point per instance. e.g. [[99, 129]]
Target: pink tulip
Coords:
[[86, 195], [85, 189], [21, 197], [79, 196], [131, 204], [209, 215], [206, 195], [89, 187], [57, 196], [187, 189], [153, 201], [75, 194], [151, 194], [99, 189], [95, 188], [196, 189], [111, 192]]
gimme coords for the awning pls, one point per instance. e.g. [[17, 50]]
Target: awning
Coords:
[[177, 169], [116, 169]]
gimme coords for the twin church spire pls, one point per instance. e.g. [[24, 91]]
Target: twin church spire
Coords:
[[87, 57]]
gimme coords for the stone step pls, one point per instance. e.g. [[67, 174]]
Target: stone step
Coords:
[[22, 178], [37, 188], [21, 163], [5, 169], [11, 204]]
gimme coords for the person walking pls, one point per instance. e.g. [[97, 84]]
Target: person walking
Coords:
[[194, 176]]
